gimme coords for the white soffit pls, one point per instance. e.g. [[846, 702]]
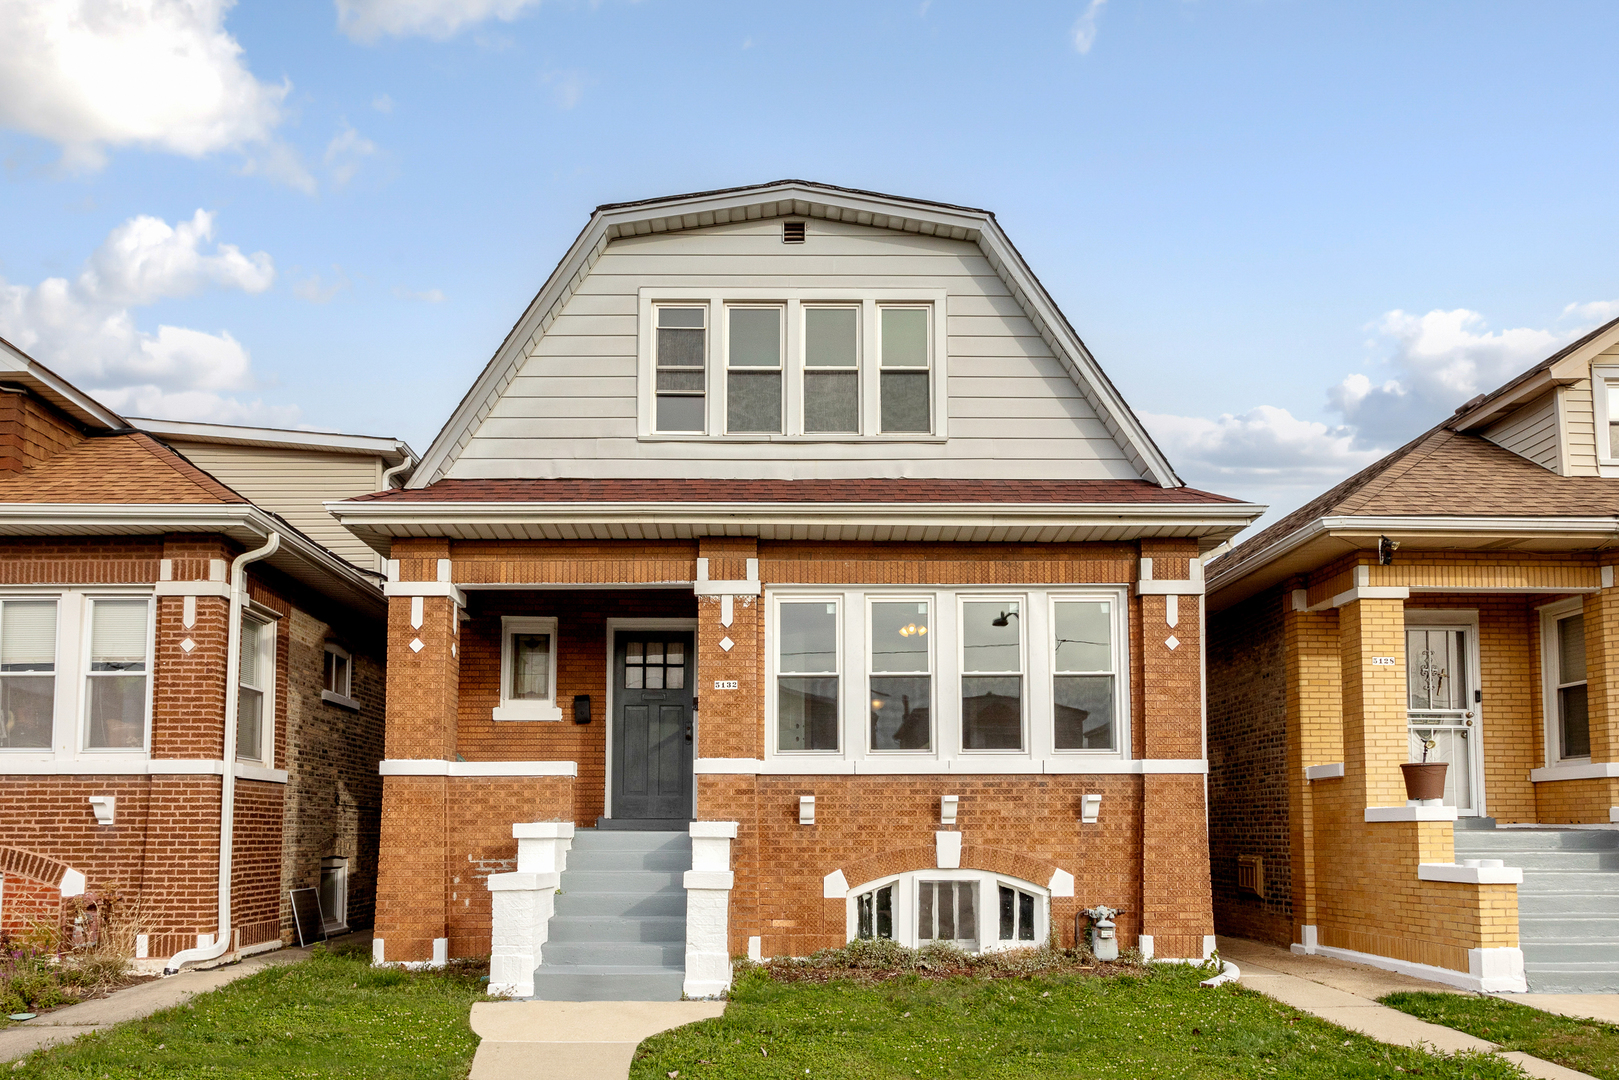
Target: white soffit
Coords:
[[797, 198]]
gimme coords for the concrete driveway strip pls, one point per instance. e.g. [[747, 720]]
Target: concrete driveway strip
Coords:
[[572, 1040]]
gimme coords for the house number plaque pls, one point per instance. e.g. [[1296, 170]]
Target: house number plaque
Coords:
[[725, 684], [1382, 661]]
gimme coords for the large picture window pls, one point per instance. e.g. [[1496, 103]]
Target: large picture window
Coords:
[[753, 357], [116, 684], [1083, 675], [807, 671], [992, 675], [27, 673], [901, 679]]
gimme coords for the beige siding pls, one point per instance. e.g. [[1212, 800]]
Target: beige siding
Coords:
[[1013, 407], [1579, 427], [1530, 431], [293, 484]]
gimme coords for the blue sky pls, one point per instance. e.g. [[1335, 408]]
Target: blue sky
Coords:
[[1293, 234]]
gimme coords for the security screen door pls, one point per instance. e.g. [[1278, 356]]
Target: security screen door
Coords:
[[652, 724], [1440, 706]]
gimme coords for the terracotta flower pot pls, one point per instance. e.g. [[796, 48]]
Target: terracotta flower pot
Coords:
[[1425, 780]]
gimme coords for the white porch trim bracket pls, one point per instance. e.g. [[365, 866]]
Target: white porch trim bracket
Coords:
[[522, 903], [708, 909]]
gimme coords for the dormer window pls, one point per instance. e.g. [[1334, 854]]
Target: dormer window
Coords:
[[1605, 407]]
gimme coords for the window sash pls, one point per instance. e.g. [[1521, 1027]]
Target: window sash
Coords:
[[117, 687], [831, 369], [754, 356], [1078, 690], [905, 369], [680, 381], [339, 675], [809, 705], [907, 683]]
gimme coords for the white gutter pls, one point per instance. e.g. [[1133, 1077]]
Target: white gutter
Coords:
[[389, 474], [227, 795]]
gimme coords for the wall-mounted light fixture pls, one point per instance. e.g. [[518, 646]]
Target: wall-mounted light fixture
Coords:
[[1090, 809], [806, 809], [103, 806], [947, 809], [1385, 550]]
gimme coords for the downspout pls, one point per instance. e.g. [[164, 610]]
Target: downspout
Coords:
[[389, 474], [227, 796]]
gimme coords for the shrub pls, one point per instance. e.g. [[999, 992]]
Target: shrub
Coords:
[[879, 959]]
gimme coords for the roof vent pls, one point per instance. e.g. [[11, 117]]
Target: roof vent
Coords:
[[792, 232]]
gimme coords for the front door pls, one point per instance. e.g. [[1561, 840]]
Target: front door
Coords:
[[653, 672], [1442, 707]]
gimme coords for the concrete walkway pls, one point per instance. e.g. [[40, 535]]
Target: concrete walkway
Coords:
[[1346, 994], [572, 1040], [132, 1003]]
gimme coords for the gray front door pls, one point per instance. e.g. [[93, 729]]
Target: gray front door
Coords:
[[653, 672]]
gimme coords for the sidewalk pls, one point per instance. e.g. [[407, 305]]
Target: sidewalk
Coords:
[[132, 1003], [572, 1040], [1346, 994]]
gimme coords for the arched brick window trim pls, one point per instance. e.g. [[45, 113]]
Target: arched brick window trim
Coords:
[[39, 868], [973, 857]]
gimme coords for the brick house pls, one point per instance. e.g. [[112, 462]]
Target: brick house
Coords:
[[794, 562], [1459, 591], [150, 618]]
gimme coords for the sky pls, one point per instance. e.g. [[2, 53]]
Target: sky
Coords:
[[1293, 234]]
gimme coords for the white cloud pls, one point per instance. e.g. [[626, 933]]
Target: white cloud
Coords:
[[383, 103], [1084, 31], [426, 296], [567, 87], [85, 329], [345, 152], [317, 291], [161, 74], [1599, 311], [367, 20]]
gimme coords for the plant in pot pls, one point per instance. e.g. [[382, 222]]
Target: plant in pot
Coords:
[[1425, 779]]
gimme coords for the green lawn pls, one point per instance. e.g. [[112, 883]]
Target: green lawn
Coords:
[[329, 1016], [1157, 1025], [1586, 1045]]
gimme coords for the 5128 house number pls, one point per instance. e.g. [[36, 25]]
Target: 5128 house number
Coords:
[[1382, 661], [725, 684]]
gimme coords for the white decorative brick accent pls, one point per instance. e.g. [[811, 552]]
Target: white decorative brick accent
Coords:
[[522, 904], [708, 906]]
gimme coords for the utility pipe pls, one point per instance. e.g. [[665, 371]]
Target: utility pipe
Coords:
[[227, 794]]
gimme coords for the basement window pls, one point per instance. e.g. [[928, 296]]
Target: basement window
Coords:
[[974, 910], [334, 894], [337, 684]]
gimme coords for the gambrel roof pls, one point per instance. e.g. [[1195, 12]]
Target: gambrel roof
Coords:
[[797, 198]]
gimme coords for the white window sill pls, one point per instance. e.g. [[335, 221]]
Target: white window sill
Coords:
[[1471, 872], [828, 765], [528, 712], [1410, 813], [1585, 770], [339, 700]]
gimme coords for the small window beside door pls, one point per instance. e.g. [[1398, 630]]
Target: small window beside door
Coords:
[[528, 670], [1570, 720]]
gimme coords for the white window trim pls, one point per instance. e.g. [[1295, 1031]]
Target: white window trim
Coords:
[[1119, 627], [83, 626], [338, 923], [547, 710], [12, 752], [267, 655], [1026, 692], [792, 300], [946, 756], [1607, 460], [907, 887], [1550, 615], [773, 666], [871, 600], [346, 698]]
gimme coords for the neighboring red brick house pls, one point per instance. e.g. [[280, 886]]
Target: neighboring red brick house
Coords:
[[150, 618], [800, 519]]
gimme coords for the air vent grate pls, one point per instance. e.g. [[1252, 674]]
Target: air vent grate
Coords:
[[792, 232], [1251, 875]]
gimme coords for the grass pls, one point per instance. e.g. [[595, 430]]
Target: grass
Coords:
[[330, 1016], [1155, 1024], [1586, 1045]]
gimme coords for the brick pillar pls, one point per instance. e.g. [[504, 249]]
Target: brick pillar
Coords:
[[1176, 903], [1315, 736], [423, 693], [1602, 672], [1376, 742]]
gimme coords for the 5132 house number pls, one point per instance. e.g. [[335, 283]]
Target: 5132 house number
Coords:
[[725, 684], [1382, 661]]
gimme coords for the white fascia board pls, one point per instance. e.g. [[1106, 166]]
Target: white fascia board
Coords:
[[394, 450], [381, 514], [19, 366], [979, 226]]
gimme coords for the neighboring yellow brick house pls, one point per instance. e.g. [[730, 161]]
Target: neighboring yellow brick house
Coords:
[[1459, 592]]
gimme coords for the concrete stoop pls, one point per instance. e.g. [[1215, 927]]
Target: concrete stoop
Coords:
[[619, 931], [1568, 904]]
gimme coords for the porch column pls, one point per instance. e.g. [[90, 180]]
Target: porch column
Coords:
[[1315, 737], [1177, 913], [423, 692], [1371, 650]]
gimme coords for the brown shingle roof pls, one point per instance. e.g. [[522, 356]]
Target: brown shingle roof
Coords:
[[1133, 492], [1443, 474], [131, 468]]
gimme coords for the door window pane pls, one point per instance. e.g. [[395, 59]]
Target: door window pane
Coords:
[[753, 378], [27, 673], [901, 683], [831, 375], [1083, 684], [680, 379], [1436, 670], [904, 380], [531, 667], [992, 681], [117, 678], [807, 676]]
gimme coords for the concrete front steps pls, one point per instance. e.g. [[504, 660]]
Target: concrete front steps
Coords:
[[619, 932], [1568, 904]]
